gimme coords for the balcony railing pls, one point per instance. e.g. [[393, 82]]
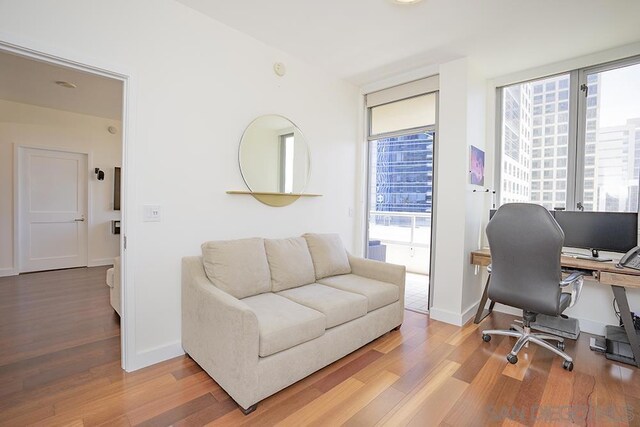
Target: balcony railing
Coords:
[[401, 228]]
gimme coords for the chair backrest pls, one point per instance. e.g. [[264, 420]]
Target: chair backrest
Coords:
[[526, 244]]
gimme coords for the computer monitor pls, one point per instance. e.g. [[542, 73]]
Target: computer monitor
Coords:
[[606, 231]]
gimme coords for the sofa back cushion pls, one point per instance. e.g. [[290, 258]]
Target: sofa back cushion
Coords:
[[238, 267], [328, 254], [290, 263]]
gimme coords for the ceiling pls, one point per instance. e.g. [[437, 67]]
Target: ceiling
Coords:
[[367, 40], [33, 82]]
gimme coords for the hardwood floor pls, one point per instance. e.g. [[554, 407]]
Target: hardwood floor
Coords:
[[60, 365]]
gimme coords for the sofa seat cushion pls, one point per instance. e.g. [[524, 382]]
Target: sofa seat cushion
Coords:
[[283, 323], [378, 293], [238, 267], [290, 263], [338, 306]]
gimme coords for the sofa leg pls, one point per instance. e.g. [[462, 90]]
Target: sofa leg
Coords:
[[397, 328], [249, 410]]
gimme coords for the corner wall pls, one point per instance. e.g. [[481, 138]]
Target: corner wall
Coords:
[[461, 123], [29, 125]]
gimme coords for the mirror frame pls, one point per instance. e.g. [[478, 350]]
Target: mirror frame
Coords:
[[276, 198]]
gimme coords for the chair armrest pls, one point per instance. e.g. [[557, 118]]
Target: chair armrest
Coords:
[[576, 279], [571, 278], [219, 331], [378, 270]]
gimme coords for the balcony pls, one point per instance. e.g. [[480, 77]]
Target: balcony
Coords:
[[404, 238]]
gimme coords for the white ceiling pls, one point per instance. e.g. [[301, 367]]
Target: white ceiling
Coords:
[[33, 82], [367, 40]]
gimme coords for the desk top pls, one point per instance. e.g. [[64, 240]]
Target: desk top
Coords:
[[605, 272]]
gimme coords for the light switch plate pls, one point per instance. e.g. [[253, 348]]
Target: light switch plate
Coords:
[[152, 213]]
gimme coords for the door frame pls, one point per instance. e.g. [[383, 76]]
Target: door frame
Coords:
[[367, 182], [18, 150], [55, 55]]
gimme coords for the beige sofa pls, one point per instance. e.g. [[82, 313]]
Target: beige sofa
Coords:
[[113, 282], [259, 314]]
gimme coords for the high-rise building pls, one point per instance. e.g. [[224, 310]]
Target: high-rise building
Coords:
[[617, 167], [550, 141], [535, 149], [516, 134], [403, 169]]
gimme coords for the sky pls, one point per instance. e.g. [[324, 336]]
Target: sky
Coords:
[[619, 95]]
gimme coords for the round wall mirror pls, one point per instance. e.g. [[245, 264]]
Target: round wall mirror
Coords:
[[274, 157]]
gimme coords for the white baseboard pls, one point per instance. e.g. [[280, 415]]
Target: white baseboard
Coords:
[[10, 271], [156, 355], [446, 316], [453, 318], [100, 262], [470, 313]]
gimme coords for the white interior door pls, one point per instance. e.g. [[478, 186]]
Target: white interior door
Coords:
[[53, 209]]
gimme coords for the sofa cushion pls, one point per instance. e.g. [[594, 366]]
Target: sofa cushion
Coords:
[[283, 323], [110, 282], [338, 306], [328, 254], [238, 267], [378, 293], [290, 263]]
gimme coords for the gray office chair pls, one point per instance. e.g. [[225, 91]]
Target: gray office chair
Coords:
[[526, 244]]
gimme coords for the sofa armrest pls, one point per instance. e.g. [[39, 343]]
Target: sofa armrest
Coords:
[[219, 331], [377, 270]]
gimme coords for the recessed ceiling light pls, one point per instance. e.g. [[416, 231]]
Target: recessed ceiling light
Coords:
[[67, 85], [406, 1]]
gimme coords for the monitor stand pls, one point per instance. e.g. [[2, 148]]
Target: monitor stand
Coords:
[[595, 256]]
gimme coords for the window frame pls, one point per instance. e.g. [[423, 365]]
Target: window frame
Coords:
[[577, 128]]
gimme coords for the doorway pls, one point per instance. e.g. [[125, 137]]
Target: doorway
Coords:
[[60, 87], [53, 209], [400, 190]]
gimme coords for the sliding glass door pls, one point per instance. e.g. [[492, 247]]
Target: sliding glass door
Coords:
[[400, 177]]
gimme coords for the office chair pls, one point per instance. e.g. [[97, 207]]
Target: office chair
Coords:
[[525, 272]]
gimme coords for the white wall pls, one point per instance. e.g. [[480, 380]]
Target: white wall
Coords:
[[458, 209], [29, 125], [198, 84]]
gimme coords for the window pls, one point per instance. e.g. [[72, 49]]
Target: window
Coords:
[[597, 135]]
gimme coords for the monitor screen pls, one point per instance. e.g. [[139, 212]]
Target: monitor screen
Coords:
[[606, 231]]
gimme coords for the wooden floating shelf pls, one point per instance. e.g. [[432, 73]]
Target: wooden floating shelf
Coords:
[[275, 199], [265, 193]]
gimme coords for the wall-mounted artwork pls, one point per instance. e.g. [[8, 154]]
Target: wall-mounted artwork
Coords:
[[476, 166]]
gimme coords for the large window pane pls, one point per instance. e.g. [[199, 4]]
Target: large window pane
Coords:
[[529, 168], [612, 143]]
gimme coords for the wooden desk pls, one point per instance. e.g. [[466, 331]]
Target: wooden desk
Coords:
[[605, 273]]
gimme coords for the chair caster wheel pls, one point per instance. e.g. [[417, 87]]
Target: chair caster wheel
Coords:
[[560, 345], [567, 365], [486, 337], [512, 358]]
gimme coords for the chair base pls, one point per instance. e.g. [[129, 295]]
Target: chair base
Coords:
[[524, 336]]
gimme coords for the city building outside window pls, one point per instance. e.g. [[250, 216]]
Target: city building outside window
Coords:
[[596, 163]]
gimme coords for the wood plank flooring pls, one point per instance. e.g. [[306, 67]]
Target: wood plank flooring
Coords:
[[60, 365]]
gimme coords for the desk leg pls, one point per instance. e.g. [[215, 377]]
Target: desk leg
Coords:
[[482, 313], [621, 296]]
